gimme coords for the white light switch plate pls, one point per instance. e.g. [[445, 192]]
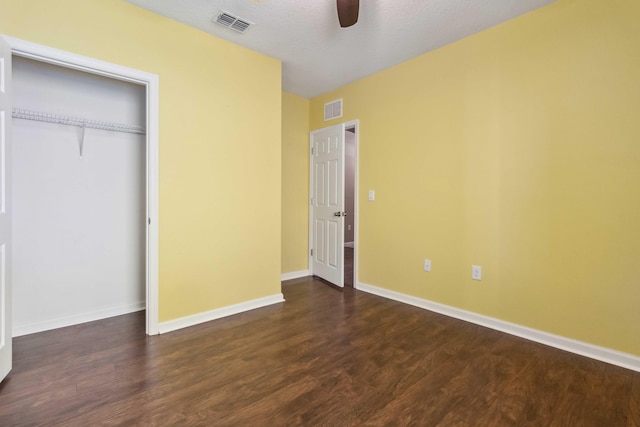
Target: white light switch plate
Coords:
[[372, 195], [427, 265], [476, 272]]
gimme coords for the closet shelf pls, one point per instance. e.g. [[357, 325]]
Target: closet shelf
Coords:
[[19, 113]]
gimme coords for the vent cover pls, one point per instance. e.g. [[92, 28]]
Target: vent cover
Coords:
[[233, 22], [333, 110]]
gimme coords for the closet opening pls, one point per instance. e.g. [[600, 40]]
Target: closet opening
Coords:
[[79, 196], [84, 187]]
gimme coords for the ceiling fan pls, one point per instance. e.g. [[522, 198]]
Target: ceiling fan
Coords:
[[348, 12]]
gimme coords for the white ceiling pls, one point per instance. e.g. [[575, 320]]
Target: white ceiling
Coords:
[[318, 56]]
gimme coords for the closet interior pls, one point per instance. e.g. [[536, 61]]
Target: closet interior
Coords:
[[79, 196]]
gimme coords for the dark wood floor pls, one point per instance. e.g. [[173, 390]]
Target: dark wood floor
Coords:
[[325, 357], [348, 267]]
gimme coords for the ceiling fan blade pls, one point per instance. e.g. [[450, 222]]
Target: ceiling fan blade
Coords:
[[348, 12]]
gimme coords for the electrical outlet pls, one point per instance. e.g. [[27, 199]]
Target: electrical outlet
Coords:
[[427, 265], [348, 227], [476, 272]]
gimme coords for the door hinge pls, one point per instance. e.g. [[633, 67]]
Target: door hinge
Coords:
[[311, 252], [313, 151], [149, 221]]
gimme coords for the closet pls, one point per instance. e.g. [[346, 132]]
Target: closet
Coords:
[[79, 196]]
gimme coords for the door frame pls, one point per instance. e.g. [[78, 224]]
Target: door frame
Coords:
[[350, 124], [151, 83]]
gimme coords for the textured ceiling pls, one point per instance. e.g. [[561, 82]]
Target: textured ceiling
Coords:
[[318, 56]]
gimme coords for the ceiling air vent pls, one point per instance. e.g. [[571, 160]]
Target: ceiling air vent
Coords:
[[233, 22], [333, 110]]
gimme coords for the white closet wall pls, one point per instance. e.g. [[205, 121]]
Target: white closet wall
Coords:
[[79, 222]]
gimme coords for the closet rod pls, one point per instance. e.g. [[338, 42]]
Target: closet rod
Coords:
[[19, 113]]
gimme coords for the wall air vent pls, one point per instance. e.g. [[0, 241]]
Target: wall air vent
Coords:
[[333, 110], [228, 20]]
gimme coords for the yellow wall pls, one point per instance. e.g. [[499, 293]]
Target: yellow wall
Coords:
[[295, 183], [517, 149], [220, 121]]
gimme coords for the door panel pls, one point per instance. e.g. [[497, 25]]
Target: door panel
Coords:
[[333, 183], [333, 243], [328, 203], [320, 183], [319, 236], [5, 209]]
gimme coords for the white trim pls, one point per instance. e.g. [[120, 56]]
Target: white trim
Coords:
[[603, 354], [151, 82], [310, 205], [348, 244], [77, 62], [153, 215], [77, 319], [356, 197], [294, 275], [195, 319]]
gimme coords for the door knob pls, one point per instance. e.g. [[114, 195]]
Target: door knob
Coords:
[[339, 214]]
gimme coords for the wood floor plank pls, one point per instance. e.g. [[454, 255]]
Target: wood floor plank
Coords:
[[634, 403], [324, 357]]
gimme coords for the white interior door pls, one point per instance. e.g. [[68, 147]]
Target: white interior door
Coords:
[[5, 209], [327, 204]]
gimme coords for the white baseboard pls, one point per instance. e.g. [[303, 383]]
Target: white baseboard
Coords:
[[195, 319], [348, 244], [603, 354], [32, 328], [294, 275]]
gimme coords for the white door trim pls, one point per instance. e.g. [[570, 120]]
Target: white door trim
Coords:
[[355, 124], [356, 198], [151, 82]]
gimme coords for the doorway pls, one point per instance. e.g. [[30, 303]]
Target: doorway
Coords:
[[78, 196], [333, 215], [350, 153], [149, 83]]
